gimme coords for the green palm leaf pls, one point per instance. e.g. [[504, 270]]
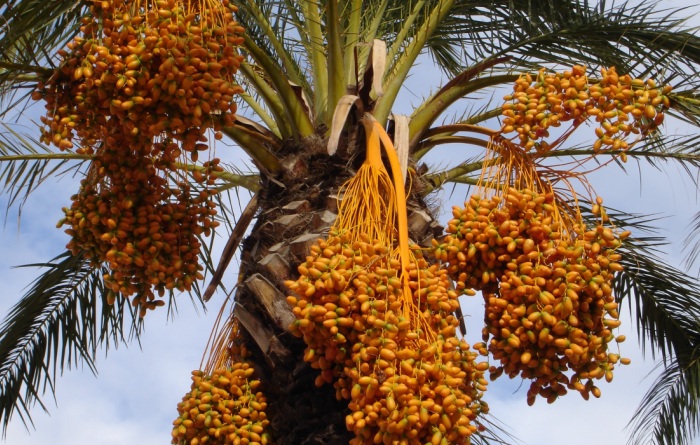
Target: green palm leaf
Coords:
[[25, 163], [664, 303], [670, 409], [635, 39], [60, 322], [692, 245], [30, 33]]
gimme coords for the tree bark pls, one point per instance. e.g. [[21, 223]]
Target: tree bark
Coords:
[[296, 209]]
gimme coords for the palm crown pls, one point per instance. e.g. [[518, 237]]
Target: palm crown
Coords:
[[311, 79]]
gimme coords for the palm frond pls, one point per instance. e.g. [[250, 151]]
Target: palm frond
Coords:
[[60, 322], [682, 149], [692, 243], [397, 71], [275, 29], [664, 302], [46, 23], [496, 433], [685, 105], [466, 82], [670, 410], [25, 163], [30, 33], [640, 39], [656, 150], [269, 25], [451, 46], [286, 36]]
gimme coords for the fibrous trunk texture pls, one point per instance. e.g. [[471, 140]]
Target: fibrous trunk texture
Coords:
[[296, 209]]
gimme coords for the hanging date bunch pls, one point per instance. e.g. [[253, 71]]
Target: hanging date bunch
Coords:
[[379, 320], [153, 68], [547, 287], [225, 404], [145, 228], [546, 276], [546, 279], [138, 90], [625, 109]]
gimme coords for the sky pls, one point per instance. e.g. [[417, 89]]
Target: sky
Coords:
[[133, 398]]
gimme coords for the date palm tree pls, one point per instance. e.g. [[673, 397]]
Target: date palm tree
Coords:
[[312, 75]]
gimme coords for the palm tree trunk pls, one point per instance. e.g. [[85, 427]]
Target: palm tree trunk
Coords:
[[295, 211]]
